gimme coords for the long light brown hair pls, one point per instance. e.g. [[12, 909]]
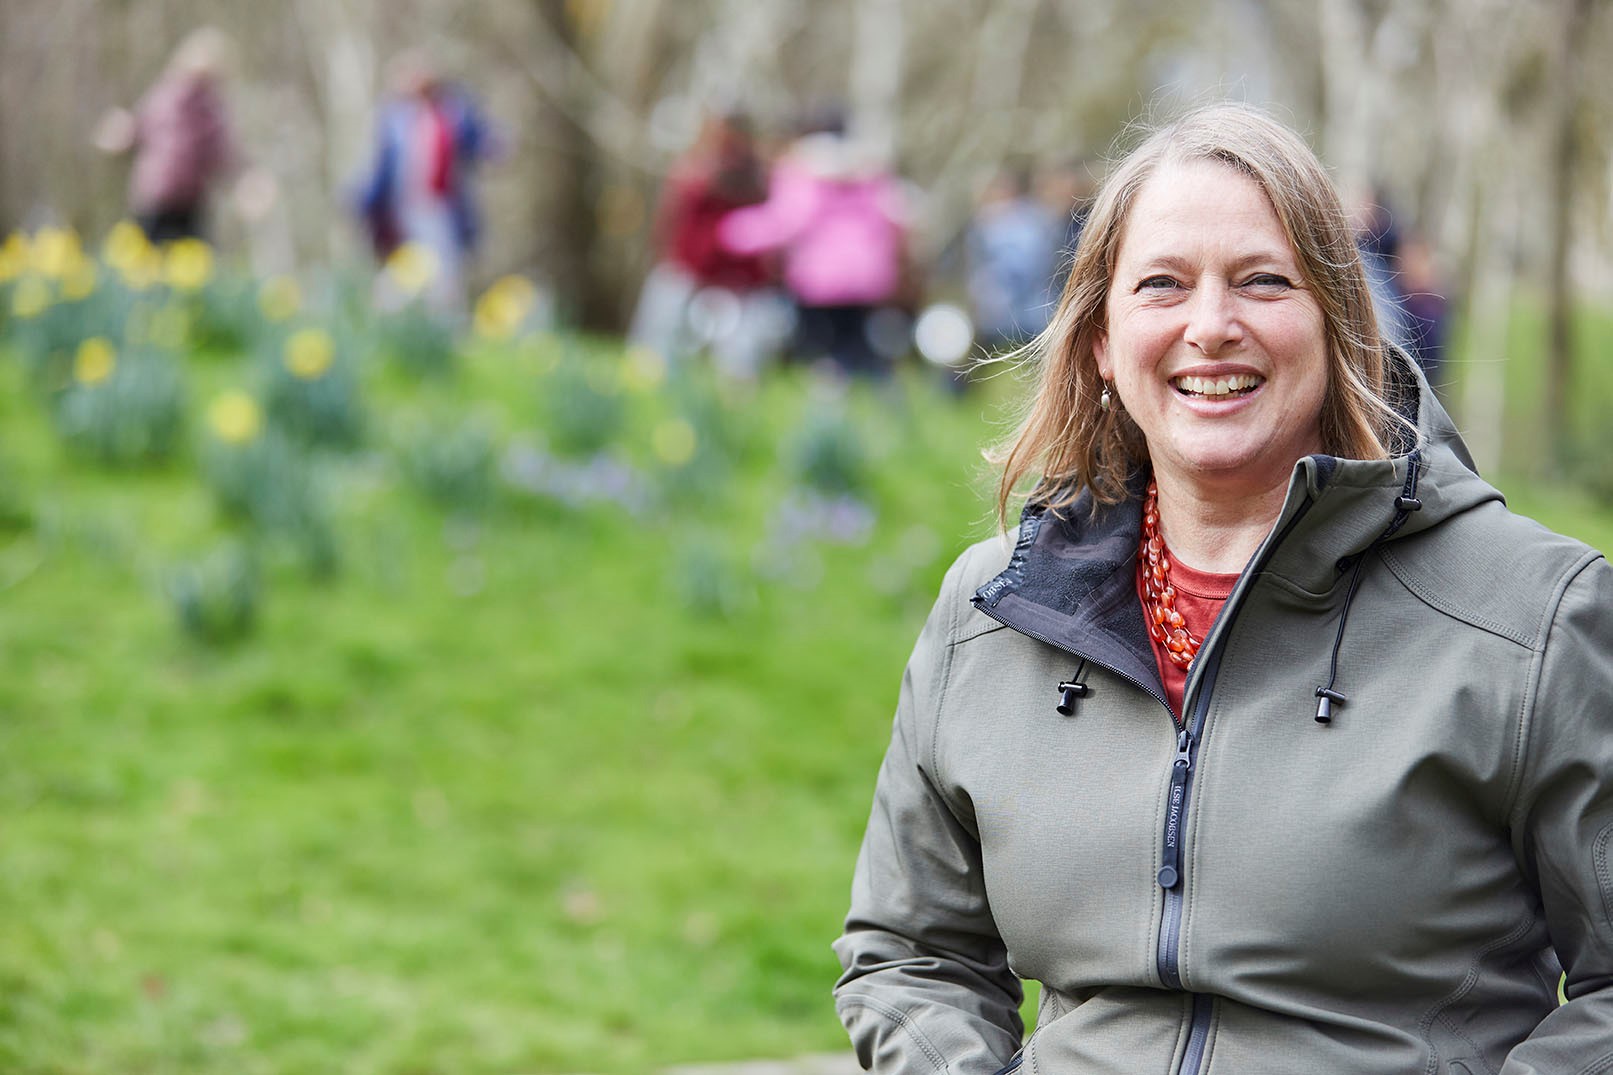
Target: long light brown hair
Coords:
[[1073, 443]]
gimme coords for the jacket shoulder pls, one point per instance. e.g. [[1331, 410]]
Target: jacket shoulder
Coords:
[[1491, 568], [974, 567]]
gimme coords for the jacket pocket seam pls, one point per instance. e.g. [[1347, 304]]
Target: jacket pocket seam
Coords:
[[902, 1021], [1437, 1014], [1403, 572], [1604, 870]]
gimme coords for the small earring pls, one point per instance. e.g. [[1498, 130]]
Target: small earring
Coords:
[[1105, 401]]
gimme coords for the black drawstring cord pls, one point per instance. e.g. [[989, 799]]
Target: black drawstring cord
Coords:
[[1071, 689], [1405, 504], [1327, 695]]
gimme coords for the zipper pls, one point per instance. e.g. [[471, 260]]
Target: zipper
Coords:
[[1168, 957], [1170, 869], [1198, 1035], [1190, 733], [1012, 1065], [1181, 789]]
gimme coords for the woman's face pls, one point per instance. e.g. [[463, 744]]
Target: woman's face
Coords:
[[1214, 343]]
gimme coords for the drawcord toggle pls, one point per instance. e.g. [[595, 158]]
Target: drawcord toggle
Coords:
[[1072, 689], [1324, 705], [1405, 504]]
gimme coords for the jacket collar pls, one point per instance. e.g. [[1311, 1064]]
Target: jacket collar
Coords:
[[1071, 579]]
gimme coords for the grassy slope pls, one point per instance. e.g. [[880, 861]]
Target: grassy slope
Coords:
[[558, 824]]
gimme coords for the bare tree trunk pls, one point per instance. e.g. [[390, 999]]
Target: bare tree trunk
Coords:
[[1346, 76], [568, 216], [1494, 273], [1004, 40], [342, 62], [876, 73], [1560, 291], [8, 216]]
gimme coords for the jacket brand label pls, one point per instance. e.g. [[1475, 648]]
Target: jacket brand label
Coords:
[[992, 591], [1014, 573]]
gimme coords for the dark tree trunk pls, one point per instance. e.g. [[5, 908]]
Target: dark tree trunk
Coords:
[[1560, 292], [569, 241]]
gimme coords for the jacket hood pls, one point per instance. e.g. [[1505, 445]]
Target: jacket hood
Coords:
[[1072, 571]]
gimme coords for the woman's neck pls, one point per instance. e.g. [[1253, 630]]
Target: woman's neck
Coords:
[[1212, 531]]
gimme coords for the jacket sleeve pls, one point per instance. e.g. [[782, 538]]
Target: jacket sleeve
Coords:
[[1563, 826], [926, 986], [787, 211]]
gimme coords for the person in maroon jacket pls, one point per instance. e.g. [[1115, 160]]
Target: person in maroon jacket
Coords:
[[700, 293]]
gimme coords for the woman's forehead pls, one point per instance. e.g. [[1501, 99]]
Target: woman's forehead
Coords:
[[1198, 204]]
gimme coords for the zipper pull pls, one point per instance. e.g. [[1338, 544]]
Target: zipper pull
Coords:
[[1170, 870]]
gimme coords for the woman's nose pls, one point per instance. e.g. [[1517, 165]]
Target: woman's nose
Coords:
[[1212, 322]]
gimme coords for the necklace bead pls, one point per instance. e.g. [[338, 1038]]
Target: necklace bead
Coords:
[[1166, 625]]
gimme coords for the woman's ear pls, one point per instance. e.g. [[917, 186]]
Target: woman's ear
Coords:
[[1100, 352]]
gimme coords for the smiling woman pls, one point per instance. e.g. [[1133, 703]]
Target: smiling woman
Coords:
[[1216, 347], [1104, 773]]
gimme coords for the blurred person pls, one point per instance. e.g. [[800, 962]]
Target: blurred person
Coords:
[[1012, 249], [419, 189], [1275, 743], [1377, 238], [699, 291], [179, 133], [1425, 307], [838, 217], [1066, 189]]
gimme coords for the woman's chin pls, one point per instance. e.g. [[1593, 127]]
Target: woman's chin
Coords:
[[1238, 463]]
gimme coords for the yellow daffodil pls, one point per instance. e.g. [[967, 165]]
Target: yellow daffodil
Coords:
[[674, 442], [56, 251], [504, 307], [234, 417], [644, 370], [411, 268], [14, 257], [80, 281], [309, 353], [95, 361], [31, 298], [124, 245], [142, 269], [279, 298], [188, 265]]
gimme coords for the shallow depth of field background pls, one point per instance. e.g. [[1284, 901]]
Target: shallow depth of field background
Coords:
[[381, 696]]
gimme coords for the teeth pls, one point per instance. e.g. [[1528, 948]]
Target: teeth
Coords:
[[1217, 386]]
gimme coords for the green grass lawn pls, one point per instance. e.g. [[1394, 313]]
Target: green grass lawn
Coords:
[[507, 794], [497, 798]]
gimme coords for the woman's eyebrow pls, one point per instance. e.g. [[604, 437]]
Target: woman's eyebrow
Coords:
[[1264, 257], [1177, 263], [1171, 262]]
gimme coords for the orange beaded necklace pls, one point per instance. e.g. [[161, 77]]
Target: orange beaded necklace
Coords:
[[1165, 624]]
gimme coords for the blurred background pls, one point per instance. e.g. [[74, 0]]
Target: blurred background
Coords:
[[470, 474]]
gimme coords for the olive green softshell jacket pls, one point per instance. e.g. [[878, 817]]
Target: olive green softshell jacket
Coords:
[[1382, 894]]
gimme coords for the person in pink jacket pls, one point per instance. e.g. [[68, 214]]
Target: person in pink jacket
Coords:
[[837, 216]]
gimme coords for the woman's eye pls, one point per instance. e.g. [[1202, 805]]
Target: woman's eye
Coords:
[[1268, 279], [1156, 283]]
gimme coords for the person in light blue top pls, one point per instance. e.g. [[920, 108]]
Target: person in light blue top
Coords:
[[1013, 250]]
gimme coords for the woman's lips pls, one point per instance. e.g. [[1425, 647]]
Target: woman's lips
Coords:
[[1234, 384]]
